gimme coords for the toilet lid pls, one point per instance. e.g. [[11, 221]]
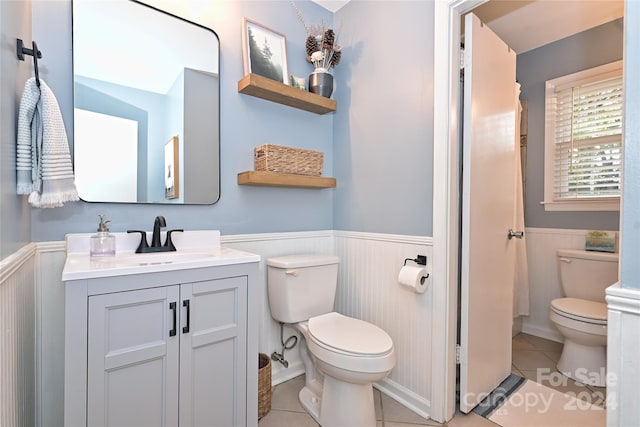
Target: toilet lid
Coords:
[[591, 311], [350, 335]]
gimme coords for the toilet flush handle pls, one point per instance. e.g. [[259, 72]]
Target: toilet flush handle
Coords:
[[291, 273], [567, 260]]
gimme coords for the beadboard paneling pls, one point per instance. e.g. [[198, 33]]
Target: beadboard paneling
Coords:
[[623, 347], [17, 338], [368, 289]]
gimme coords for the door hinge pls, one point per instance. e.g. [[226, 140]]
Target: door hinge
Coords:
[[457, 354]]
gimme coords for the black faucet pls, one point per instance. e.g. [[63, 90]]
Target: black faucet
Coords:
[[156, 246], [157, 225]]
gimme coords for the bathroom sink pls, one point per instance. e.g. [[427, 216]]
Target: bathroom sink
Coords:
[[195, 249], [160, 258]]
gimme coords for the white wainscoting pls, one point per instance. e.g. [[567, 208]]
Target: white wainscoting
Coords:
[[17, 338], [623, 348], [544, 280], [368, 289]]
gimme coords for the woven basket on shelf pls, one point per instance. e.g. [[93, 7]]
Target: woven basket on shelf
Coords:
[[278, 158], [264, 385]]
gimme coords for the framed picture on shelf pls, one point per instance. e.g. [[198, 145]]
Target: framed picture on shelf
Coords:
[[264, 51], [171, 169]]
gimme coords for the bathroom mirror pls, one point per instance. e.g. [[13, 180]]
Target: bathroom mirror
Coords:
[[146, 105]]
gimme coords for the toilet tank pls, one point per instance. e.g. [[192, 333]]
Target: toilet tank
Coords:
[[301, 286], [586, 274]]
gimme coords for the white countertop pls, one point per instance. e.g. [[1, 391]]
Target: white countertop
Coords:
[[195, 249]]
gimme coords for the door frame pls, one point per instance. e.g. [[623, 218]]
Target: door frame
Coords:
[[446, 204]]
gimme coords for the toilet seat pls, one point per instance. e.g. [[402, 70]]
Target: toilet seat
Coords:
[[349, 344], [349, 336], [581, 310]]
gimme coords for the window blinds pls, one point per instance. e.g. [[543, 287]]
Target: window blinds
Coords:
[[588, 139]]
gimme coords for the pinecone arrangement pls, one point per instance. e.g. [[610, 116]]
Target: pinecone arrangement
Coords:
[[322, 49], [321, 46]]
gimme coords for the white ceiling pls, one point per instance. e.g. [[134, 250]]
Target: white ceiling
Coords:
[[331, 5], [528, 24]]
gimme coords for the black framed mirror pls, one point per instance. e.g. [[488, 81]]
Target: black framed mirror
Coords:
[[146, 105]]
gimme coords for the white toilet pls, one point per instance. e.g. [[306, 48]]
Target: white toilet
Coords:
[[581, 316], [342, 356]]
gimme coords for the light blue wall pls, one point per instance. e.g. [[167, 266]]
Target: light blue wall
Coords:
[[383, 140], [585, 50], [15, 22], [630, 250], [200, 135], [246, 122]]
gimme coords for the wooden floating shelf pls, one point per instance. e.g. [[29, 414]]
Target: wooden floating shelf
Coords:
[[271, 90], [274, 179]]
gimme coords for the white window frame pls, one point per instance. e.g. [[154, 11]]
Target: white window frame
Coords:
[[576, 204]]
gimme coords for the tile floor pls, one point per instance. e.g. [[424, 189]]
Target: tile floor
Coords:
[[533, 358]]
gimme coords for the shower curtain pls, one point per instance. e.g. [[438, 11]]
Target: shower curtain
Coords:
[[521, 275]]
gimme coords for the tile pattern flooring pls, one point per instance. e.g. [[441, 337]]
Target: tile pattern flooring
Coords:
[[533, 357]]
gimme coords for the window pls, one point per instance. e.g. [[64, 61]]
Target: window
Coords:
[[583, 140]]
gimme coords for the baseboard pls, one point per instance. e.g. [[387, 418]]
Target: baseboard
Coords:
[[516, 328], [406, 397], [282, 374], [542, 332]]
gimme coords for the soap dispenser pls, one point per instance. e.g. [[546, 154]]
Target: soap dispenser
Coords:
[[103, 243]]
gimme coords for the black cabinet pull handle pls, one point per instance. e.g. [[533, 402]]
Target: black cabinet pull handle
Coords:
[[185, 303], [172, 307]]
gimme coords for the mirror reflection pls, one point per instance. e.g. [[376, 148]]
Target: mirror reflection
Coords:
[[146, 105]]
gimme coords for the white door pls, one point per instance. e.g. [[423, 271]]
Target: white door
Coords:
[[488, 191], [213, 353], [132, 370]]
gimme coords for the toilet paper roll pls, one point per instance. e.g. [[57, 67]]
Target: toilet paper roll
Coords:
[[414, 277]]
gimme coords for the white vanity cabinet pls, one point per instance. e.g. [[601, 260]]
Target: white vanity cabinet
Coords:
[[162, 354], [132, 361], [166, 348]]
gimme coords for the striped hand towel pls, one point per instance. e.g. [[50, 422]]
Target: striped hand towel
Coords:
[[43, 161]]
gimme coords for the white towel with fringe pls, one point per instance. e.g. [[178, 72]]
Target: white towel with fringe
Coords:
[[43, 160]]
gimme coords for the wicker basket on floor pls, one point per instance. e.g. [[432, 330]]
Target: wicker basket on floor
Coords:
[[264, 385], [278, 158]]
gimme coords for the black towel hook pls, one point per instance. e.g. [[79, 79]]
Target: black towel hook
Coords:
[[22, 51]]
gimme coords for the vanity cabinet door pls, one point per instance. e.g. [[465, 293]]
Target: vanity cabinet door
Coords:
[[213, 353], [133, 360]]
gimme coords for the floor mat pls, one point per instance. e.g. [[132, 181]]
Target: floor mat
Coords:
[[534, 405], [499, 395]]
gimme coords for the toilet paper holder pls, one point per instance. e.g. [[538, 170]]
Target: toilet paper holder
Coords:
[[420, 260]]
